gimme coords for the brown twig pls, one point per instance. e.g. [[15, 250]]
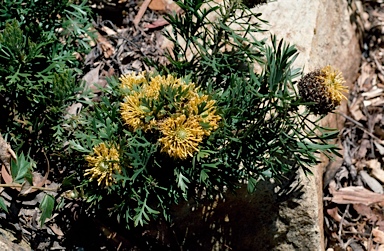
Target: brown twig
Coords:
[[341, 225], [360, 126], [32, 187], [141, 12]]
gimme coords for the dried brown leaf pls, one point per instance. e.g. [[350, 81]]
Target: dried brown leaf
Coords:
[[56, 229], [108, 49], [164, 6], [378, 235], [7, 178], [26, 188], [93, 81], [363, 148], [379, 147], [74, 109], [371, 182], [376, 170], [141, 12], [367, 211], [355, 195], [156, 24], [158, 5], [108, 30], [333, 212], [375, 92]]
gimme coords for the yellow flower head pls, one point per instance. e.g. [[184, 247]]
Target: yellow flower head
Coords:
[[181, 136], [176, 109], [324, 88], [104, 162], [334, 81], [129, 80], [206, 110], [132, 112]]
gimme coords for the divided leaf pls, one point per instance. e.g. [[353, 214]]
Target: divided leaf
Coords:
[[22, 169]]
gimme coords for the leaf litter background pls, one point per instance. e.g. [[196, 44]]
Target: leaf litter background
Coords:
[[129, 31], [353, 186]]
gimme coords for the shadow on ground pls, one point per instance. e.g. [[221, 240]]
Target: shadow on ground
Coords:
[[241, 221]]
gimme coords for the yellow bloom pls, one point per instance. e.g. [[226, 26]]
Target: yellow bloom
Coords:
[[104, 162], [132, 112], [334, 81], [128, 80], [323, 88], [181, 136], [207, 113]]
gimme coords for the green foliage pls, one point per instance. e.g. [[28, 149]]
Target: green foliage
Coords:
[[2, 205], [39, 79], [46, 207], [38, 68], [255, 128], [21, 169]]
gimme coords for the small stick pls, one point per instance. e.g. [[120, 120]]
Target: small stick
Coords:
[[141, 12]]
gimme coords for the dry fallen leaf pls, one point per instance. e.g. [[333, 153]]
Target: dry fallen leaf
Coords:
[[108, 49], [73, 109], [367, 211], [376, 170], [158, 23], [164, 6], [56, 229], [141, 12], [379, 146], [378, 235], [363, 148], [158, 5], [333, 212], [7, 178], [355, 195], [93, 81], [371, 182]]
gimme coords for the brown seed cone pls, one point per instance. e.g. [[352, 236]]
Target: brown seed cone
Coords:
[[312, 89]]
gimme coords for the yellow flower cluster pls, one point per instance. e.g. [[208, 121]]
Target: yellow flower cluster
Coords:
[[179, 111], [104, 162]]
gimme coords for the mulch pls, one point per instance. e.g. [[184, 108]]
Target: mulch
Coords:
[[354, 196]]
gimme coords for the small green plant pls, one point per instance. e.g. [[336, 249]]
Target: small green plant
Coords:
[[39, 76], [201, 125], [38, 69]]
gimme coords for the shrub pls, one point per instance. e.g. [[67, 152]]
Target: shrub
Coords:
[[201, 125], [39, 75], [38, 69]]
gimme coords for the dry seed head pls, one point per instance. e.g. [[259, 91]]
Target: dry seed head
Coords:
[[323, 88]]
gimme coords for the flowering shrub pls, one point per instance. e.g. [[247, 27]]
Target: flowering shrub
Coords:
[[200, 125]]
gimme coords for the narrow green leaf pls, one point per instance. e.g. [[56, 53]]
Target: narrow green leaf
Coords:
[[46, 207], [2, 205], [251, 184]]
